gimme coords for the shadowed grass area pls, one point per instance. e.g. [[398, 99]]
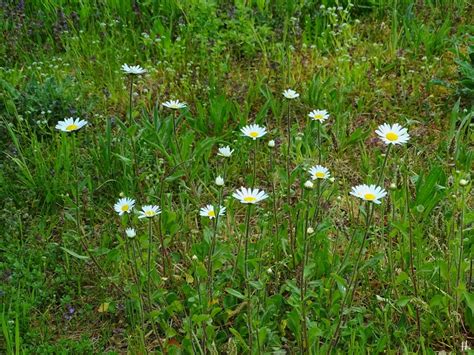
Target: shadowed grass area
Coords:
[[309, 269]]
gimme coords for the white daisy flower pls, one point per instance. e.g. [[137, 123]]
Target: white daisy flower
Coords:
[[252, 196], [371, 193], [254, 131], [392, 134], [225, 151], [133, 69], [219, 181], [208, 211], [174, 104], [290, 94], [71, 124], [149, 211], [319, 172], [319, 115], [130, 232], [124, 205]]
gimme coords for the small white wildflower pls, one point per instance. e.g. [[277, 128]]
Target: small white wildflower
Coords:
[[219, 181]]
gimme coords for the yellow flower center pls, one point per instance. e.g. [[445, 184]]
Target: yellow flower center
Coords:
[[150, 213], [253, 134], [320, 175], [125, 208], [369, 197], [391, 136], [249, 199], [72, 127], [211, 213], [318, 117]]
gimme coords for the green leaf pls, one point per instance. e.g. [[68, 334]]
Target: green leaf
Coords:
[[403, 301], [74, 254], [235, 293]]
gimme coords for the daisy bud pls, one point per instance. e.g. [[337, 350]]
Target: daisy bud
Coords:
[[271, 143], [463, 182], [219, 181], [194, 257], [332, 179], [309, 184], [339, 198], [393, 186], [310, 230], [130, 232], [269, 271], [121, 194]]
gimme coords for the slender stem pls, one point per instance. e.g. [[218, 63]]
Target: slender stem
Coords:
[[246, 275], [175, 132], [274, 204], [212, 249], [136, 275], [150, 303], [288, 188], [352, 284], [76, 176], [165, 255], [304, 343], [379, 180], [148, 269], [130, 102], [412, 268], [319, 144], [461, 245], [254, 163]]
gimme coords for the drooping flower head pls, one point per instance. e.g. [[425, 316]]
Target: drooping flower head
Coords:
[[133, 69], [130, 232], [149, 211], [124, 205], [251, 196], [208, 211], [225, 151], [71, 124], [392, 134], [174, 104], [290, 94], [254, 131], [371, 193], [319, 172], [319, 115]]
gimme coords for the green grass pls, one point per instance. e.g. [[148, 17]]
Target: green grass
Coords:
[[73, 282]]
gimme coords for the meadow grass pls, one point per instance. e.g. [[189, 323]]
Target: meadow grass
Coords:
[[306, 266]]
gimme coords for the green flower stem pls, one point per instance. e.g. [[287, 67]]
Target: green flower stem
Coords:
[[380, 179], [212, 248], [288, 187], [254, 163], [320, 150], [304, 342], [130, 102], [461, 245], [412, 268], [148, 268], [246, 275], [175, 133], [352, 284], [274, 206]]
